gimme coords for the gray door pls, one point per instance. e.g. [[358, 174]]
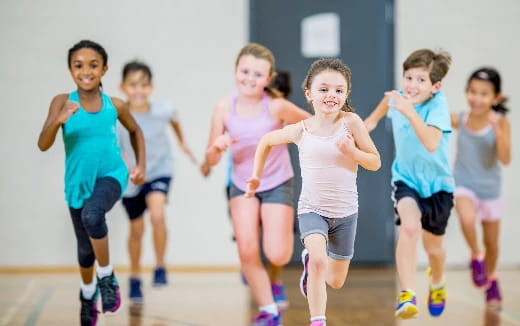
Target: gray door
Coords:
[[366, 45]]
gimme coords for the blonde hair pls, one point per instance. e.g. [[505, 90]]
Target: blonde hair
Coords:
[[336, 65], [261, 52]]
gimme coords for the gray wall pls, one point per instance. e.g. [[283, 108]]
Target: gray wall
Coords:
[[192, 52]]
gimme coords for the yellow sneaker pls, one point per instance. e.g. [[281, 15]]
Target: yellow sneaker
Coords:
[[406, 305], [436, 297]]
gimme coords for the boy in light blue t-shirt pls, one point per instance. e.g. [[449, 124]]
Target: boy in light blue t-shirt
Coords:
[[421, 174]]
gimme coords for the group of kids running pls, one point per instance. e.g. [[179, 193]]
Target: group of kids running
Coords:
[[106, 160]]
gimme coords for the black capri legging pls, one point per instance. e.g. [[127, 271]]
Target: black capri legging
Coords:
[[89, 221]]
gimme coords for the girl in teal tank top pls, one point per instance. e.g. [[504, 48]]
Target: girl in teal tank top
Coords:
[[95, 173]]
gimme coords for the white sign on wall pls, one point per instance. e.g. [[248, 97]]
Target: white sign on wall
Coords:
[[320, 35]]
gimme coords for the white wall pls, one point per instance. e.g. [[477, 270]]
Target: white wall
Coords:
[[191, 46], [476, 33]]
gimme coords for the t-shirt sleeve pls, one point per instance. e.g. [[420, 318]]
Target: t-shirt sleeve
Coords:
[[439, 114]]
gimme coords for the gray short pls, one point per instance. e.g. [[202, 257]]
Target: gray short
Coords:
[[340, 233], [282, 194]]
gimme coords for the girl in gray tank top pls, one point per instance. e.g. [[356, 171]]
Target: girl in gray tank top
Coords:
[[483, 145]]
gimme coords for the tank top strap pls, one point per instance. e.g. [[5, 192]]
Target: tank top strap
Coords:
[[265, 103], [345, 125], [234, 98], [73, 96], [303, 126]]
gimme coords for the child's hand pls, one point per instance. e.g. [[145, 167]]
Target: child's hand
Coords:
[[68, 109], [252, 185], [223, 142], [347, 145], [493, 117], [188, 152], [205, 169], [137, 176], [400, 102]]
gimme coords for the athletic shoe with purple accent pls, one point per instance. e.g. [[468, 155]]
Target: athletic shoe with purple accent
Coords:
[[110, 296], [305, 273], [478, 272], [88, 314], [493, 297], [266, 319], [279, 296]]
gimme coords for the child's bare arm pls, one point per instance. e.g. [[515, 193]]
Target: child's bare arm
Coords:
[[365, 153], [289, 134], [379, 112], [59, 112]]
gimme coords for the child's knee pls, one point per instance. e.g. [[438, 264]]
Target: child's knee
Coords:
[[318, 263], [337, 283], [411, 228], [94, 222], [435, 252]]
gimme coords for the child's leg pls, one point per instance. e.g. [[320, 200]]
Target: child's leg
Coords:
[[135, 239], [155, 202], [275, 273], [277, 230], [466, 210], [245, 215], [342, 236], [105, 195], [406, 251], [491, 232], [337, 272], [86, 256], [436, 256], [316, 245]]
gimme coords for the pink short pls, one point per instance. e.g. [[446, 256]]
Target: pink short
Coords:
[[487, 210]]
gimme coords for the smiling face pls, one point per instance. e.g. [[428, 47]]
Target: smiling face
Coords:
[[417, 85], [481, 96], [252, 75], [137, 87], [328, 92], [87, 67]]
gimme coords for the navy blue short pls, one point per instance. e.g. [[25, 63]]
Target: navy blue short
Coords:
[[435, 210], [136, 206]]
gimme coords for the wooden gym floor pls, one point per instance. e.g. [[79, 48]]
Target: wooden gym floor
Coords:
[[219, 298]]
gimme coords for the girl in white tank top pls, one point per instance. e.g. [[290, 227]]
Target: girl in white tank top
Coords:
[[332, 144]]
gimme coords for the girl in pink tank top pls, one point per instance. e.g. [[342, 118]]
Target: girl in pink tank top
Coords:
[[331, 145], [238, 123]]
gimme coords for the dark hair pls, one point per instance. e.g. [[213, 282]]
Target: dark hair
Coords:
[[337, 65], [437, 63], [134, 66], [87, 44], [492, 76], [282, 82]]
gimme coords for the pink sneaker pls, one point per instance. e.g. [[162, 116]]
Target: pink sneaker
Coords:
[[318, 323]]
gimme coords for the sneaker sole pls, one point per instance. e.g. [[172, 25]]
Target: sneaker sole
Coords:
[[407, 311], [304, 273]]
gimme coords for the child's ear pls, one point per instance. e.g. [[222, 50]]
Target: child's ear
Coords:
[[436, 87], [307, 93], [105, 69]]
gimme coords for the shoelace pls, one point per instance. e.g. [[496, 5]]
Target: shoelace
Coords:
[[108, 292], [87, 309], [437, 296]]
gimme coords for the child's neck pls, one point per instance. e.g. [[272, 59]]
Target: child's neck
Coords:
[[250, 100], [143, 108], [327, 120], [89, 95]]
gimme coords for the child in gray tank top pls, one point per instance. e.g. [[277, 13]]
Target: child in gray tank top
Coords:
[[154, 119], [483, 146]]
